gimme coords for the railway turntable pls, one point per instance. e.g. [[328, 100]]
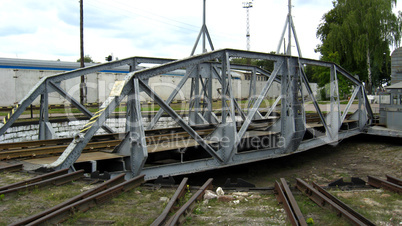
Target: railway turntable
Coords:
[[212, 133]]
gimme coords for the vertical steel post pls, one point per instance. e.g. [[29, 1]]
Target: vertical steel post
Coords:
[[46, 131], [334, 116], [139, 151], [292, 122]]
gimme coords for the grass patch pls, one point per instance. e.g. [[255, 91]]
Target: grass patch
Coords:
[[379, 206], [139, 206], [320, 216], [262, 209], [28, 203]]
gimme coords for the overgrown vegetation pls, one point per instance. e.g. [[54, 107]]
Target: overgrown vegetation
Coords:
[[357, 35]]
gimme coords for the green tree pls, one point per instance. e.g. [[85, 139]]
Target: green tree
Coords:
[[87, 59], [357, 34]]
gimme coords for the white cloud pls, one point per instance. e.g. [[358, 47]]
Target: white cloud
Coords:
[[50, 29]]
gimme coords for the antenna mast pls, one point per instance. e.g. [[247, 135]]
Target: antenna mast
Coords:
[[205, 34], [291, 28], [247, 6]]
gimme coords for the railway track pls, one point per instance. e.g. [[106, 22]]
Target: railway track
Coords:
[[180, 206], [326, 200], [285, 197], [98, 142], [80, 203], [11, 168], [102, 142], [179, 216], [392, 183]]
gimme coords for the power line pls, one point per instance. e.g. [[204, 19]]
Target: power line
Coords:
[[128, 10]]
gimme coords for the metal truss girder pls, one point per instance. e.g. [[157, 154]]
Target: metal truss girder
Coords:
[[105, 66], [37, 90], [292, 121], [334, 115], [237, 106], [330, 64], [171, 66], [228, 129], [247, 68], [317, 107], [258, 102], [170, 98], [273, 106], [46, 130], [139, 151], [73, 151], [76, 103], [239, 158], [254, 55], [221, 158], [267, 73], [352, 98], [180, 121], [364, 98]]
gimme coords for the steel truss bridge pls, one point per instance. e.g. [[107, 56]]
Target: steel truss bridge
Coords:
[[224, 145]]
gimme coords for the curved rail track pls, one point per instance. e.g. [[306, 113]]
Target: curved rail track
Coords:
[[98, 142], [101, 142]]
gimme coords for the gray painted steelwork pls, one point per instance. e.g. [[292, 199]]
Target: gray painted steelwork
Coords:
[[289, 130]]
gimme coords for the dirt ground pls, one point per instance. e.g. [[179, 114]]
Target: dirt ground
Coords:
[[358, 156], [355, 157]]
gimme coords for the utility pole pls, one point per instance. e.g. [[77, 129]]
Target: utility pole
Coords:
[[247, 6], [82, 84]]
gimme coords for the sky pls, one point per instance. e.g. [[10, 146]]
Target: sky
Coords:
[[49, 30]]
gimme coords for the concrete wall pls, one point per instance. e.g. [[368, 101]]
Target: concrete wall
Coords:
[[16, 83], [68, 129]]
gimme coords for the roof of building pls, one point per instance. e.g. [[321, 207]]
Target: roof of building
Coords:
[[395, 86], [30, 64]]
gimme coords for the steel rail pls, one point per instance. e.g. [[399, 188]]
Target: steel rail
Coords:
[[83, 205], [323, 201], [379, 183], [12, 168], [281, 197], [394, 180], [180, 192], [343, 205], [285, 197], [58, 141], [59, 180], [105, 185], [179, 216], [44, 147], [32, 152], [96, 138], [35, 179]]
